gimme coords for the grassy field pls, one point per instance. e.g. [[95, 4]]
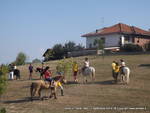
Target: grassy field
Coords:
[[87, 98]]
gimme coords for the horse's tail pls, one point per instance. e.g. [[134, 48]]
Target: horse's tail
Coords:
[[128, 73], [93, 73]]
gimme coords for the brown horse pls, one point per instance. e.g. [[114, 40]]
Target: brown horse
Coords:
[[37, 86]]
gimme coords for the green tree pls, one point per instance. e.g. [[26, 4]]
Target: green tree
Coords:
[[65, 66], [49, 55], [58, 51], [21, 58], [79, 47], [99, 43], [36, 61]]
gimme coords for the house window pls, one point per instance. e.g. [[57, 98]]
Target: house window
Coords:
[[90, 45], [127, 39]]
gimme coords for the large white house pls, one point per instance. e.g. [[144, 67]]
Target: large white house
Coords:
[[118, 35]]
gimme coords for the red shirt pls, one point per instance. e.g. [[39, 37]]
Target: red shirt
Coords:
[[47, 74]]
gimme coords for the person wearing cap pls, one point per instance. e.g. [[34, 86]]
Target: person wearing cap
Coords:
[[122, 65]]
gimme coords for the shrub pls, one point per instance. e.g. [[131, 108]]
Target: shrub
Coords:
[[64, 66], [131, 48], [3, 72], [147, 46], [3, 110]]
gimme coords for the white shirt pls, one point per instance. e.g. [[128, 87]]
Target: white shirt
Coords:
[[86, 63]]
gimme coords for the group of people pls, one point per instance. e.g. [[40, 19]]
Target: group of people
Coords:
[[47, 74], [117, 68], [13, 71]]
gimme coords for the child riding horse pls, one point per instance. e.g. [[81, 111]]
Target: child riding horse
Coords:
[[37, 86]]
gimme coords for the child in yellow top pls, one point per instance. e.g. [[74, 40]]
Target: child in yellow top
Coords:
[[113, 68], [116, 72], [75, 70], [117, 68]]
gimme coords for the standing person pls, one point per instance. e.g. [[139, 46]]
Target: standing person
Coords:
[[113, 68], [116, 71], [42, 71], [30, 71], [75, 70], [11, 72], [86, 64]]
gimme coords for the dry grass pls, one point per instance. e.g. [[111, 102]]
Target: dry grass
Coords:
[[84, 98]]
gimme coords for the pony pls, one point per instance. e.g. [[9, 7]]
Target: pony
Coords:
[[17, 73], [40, 70], [89, 71], [125, 77], [37, 86]]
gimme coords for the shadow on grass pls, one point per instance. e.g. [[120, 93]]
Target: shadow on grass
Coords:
[[108, 82], [27, 99], [144, 65], [71, 82]]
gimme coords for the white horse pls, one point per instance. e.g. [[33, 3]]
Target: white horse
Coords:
[[125, 77], [89, 71]]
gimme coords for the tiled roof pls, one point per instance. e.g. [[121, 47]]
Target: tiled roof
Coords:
[[118, 28]]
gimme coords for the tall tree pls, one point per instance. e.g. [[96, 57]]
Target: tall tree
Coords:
[[68, 47], [99, 43], [58, 51], [21, 58]]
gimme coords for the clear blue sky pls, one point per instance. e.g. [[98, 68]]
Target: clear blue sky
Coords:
[[32, 26]]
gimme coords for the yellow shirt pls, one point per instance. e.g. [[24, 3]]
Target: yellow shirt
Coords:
[[75, 67], [117, 69], [113, 66], [58, 84]]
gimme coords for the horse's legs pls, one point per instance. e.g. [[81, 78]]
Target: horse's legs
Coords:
[[127, 78], [31, 91], [39, 93], [93, 76], [55, 93], [85, 79], [122, 78], [50, 96]]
